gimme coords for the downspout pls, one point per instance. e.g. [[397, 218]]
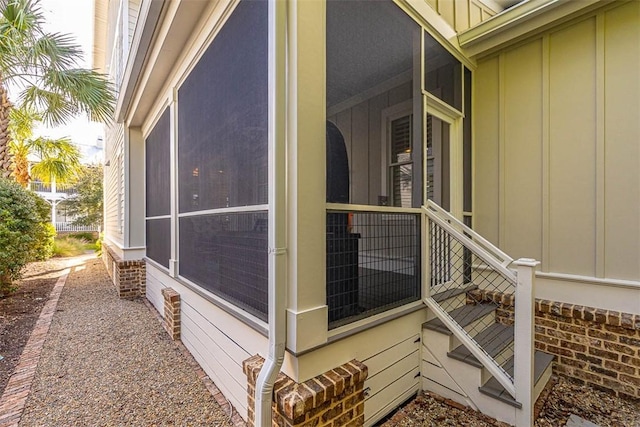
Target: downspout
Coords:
[[277, 213]]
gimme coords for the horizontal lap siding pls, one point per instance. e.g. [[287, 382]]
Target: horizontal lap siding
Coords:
[[112, 184], [391, 354], [154, 288], [218, 341]]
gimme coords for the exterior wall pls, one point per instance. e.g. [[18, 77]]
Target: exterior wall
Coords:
[[114, 184], [556, 148], [218, 341], [390, 351], [463, 14]]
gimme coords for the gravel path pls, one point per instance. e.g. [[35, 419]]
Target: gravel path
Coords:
[[108, 361]]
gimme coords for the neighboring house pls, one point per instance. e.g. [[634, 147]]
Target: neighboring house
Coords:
[[55, 195], [333, 152]]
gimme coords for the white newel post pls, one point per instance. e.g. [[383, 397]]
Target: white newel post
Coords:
[[524, 340]]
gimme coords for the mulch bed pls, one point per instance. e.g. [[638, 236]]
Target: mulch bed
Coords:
[[20, 310], [562, 398]]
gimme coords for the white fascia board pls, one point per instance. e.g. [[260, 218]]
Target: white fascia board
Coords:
[[518, 21], [147, 20]]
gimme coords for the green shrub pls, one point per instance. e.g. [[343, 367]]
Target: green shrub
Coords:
[[22, 229], [68, 246], [45, 232], [98, 247], [43, 246]]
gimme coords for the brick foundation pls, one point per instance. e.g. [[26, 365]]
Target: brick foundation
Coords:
[[594, 346], [129, 277], [335, 398], [171, 321]]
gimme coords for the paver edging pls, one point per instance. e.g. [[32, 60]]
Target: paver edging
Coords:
[[15, 395]]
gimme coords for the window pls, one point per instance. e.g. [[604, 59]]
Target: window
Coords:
[[222, 163], [158, 191], [400, 162]]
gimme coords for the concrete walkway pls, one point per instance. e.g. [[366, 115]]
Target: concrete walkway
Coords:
[[106, 361]]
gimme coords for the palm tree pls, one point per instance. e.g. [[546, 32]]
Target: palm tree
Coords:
[[58, 159], [44, 68]]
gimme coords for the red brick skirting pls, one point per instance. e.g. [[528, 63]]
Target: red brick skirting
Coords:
[[592, 345], [129, 277], [171, 321], [17, 391], [335, 398]]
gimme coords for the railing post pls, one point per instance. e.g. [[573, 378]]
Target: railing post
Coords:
[[426, 256], [523, 377]]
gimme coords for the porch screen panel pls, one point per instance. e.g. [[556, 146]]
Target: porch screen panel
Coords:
[[158, 191], [443, 73], [157, 168], [222, 163], [227, 255], [158, 234], [370, 51], [222, 117]]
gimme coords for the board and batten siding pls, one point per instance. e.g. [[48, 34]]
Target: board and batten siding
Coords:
[[218, 341], [360, 125], [463, 14], [557, 147]]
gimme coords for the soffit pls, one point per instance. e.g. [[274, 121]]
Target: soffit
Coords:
[[100, 10], [159, 41]]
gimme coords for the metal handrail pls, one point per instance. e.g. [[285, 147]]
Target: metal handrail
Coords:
[[493, 257], [479, 245], [436, 212]]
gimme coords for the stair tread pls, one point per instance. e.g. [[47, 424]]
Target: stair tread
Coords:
[[495, 389], [450, 293], [464, 316], [493, 340]]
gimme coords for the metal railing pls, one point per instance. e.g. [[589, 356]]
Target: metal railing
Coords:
[[464, 272], [373, 261], [42, 187], [68, 226]]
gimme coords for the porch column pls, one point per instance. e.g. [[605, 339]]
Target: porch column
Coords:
[[134, 224], [307, 311]]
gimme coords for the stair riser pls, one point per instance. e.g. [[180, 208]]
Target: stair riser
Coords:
[[500, 359], [467, 377]]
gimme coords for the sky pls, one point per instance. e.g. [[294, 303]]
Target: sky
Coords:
[[74, 17]]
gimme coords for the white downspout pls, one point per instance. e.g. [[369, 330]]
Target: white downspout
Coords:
[[277, 211]]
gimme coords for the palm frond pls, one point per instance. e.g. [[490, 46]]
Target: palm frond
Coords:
[[44, 67], [58, 158], [54, 107]]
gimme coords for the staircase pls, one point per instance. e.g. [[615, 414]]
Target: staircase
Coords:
[[468, 351]]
